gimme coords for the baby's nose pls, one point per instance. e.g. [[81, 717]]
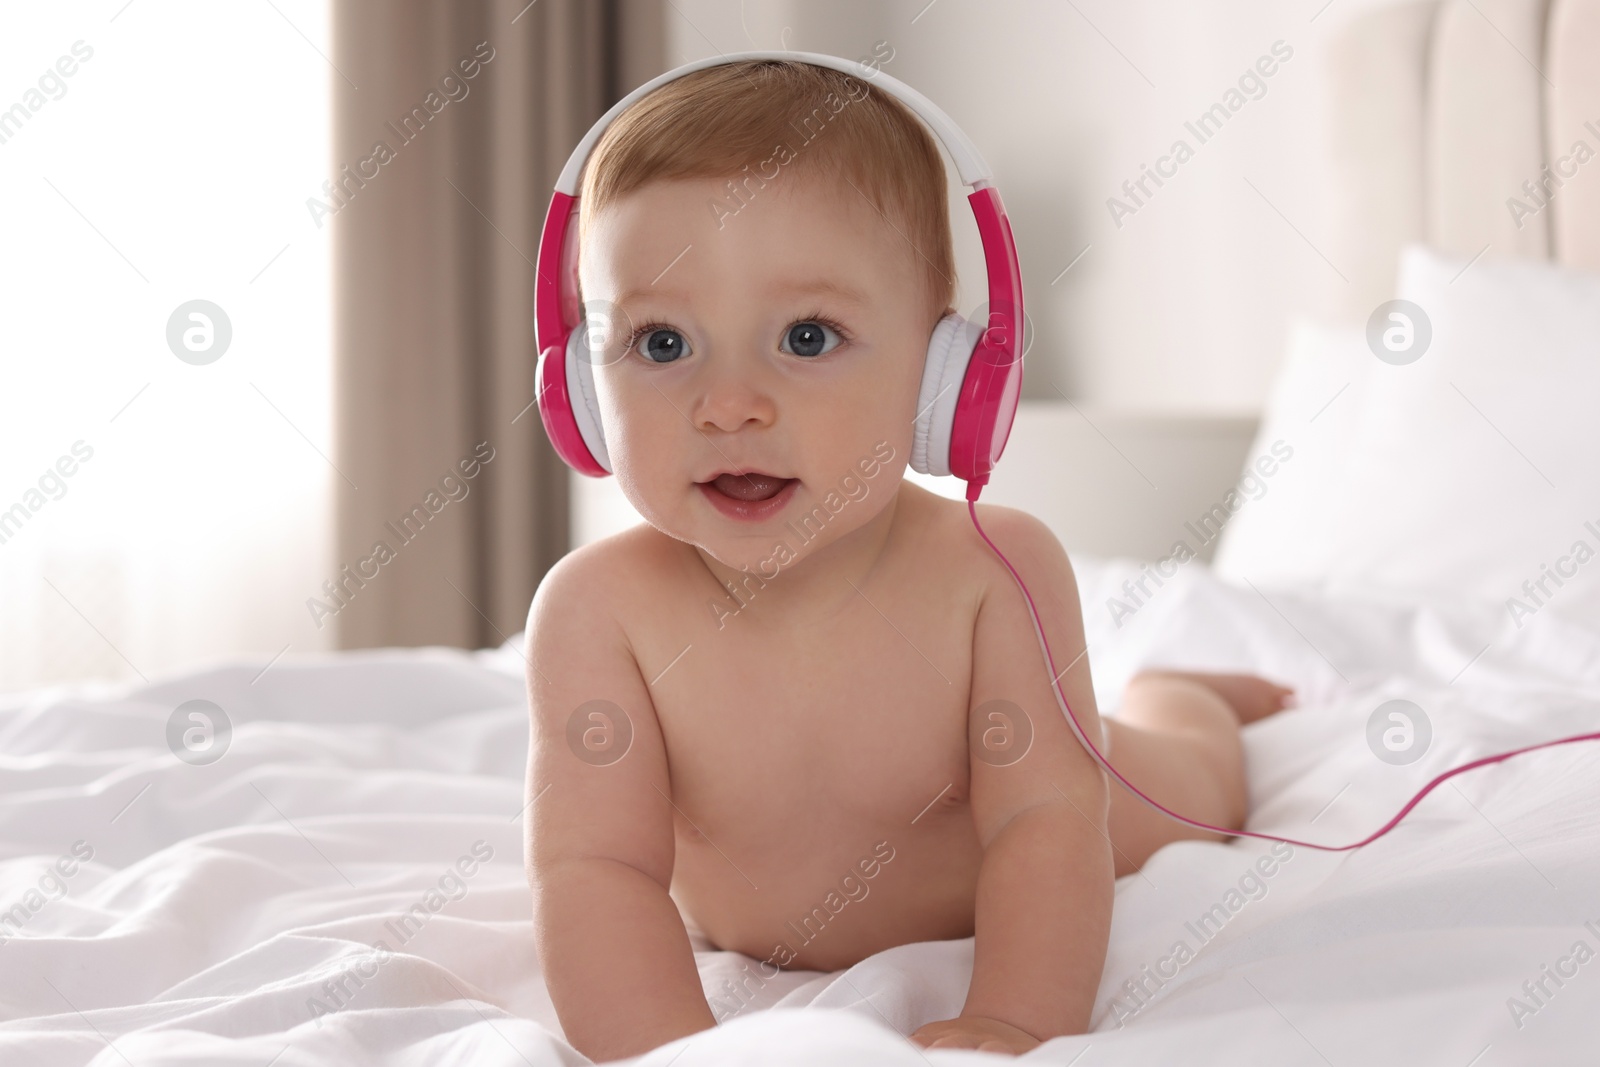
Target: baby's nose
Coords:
[[732, 402]]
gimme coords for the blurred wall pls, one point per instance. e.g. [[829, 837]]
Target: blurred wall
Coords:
[[1181, 303]]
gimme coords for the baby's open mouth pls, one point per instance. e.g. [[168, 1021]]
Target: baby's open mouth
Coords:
[[750, 486]]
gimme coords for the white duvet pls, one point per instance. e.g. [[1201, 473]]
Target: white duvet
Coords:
[[345, 885]]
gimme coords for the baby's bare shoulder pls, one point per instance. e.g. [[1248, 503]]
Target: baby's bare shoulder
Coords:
[[1015, 529], [581, 629], [1020, 535], [610, 577]]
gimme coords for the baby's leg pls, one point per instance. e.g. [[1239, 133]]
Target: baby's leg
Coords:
[[1176, 737]]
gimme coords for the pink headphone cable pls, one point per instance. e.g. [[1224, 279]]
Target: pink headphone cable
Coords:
[[975, 487]]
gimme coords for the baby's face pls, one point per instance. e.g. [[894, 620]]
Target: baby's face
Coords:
[[782, 352]]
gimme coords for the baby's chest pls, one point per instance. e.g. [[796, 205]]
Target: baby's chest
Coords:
[[862, 717]]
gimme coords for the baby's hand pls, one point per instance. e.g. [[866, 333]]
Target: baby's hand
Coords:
[[975, 1032]]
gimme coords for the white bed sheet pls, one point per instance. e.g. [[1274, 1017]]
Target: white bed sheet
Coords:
[[221, 900]]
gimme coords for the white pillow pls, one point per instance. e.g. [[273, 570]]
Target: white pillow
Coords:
[[1475, 469], [1288, 535]]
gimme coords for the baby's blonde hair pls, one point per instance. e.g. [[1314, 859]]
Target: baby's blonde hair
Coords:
[[734, 120]]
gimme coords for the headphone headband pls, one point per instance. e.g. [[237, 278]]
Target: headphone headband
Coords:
[[969, 163]]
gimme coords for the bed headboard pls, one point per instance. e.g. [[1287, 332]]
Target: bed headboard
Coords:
[[1441, 111]]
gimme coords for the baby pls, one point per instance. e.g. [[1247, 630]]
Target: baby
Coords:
[[805, 676]]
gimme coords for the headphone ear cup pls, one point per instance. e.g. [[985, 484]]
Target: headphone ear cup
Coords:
[[950, 349], [580, 387]]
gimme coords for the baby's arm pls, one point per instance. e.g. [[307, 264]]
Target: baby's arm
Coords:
[[599, 841], [1046, 885]]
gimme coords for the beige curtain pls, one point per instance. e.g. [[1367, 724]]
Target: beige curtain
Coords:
[[452, 120]]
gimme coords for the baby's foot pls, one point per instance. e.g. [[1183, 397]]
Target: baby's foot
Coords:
[[1251, 697]]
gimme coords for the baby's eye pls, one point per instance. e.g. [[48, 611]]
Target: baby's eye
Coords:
[[663, 345], [809, 338]]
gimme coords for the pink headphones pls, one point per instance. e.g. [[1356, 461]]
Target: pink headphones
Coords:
[[971, 379]]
